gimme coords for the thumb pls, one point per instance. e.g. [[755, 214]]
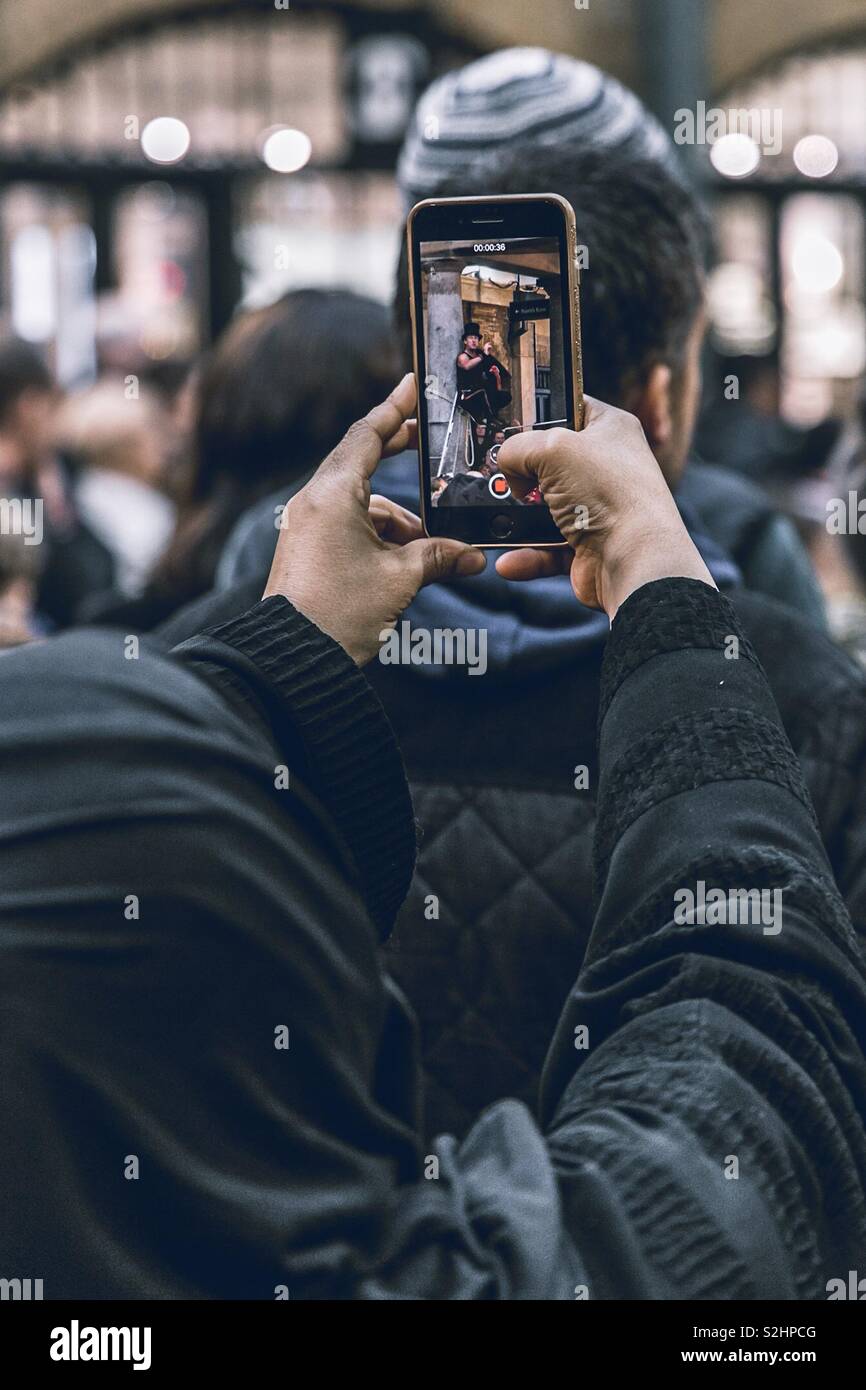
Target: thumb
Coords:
[[529, 453], [436, 558], [360, 450]]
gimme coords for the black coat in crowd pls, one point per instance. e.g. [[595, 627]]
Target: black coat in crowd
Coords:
[[207, 1080]]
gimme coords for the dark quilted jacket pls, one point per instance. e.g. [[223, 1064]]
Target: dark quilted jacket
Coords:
[[506, 839]]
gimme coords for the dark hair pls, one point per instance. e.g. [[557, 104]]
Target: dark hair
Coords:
[[646, 240], [277, 392], [21, 369]]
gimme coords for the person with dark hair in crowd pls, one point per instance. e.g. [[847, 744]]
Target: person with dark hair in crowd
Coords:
[[194, 880], [27, 395], [120, 447], [824, 490], [526, 120], [20, 570], [278, 390], [506, 841], [75, 563]]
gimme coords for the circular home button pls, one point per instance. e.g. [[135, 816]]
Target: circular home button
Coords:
[[501, 526]]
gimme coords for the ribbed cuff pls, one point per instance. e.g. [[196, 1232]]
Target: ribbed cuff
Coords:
[[353, 760]]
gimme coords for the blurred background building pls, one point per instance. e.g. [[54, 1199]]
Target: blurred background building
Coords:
[[162, 162]]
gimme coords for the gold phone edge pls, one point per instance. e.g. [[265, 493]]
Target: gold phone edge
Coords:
[[576, 342]]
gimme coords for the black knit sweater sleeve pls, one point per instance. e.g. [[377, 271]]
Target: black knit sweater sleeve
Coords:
[[279, 671], [705, 1090]]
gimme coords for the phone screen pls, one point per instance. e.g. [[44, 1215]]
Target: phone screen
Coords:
[[496, 335]]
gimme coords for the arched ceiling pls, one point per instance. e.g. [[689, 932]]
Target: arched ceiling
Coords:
[[35, 33], [751, 34], [747, 34], [38, 32]]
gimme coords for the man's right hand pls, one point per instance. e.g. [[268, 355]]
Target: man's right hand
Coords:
[[609, 499]]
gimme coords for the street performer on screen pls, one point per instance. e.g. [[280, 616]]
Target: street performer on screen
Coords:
[[480, 379]]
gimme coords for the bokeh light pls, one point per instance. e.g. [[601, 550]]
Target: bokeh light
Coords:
[[816, 156], [165, 140], [817, 264], [286, 150], [735, 155]]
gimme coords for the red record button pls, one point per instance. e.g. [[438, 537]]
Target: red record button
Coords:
[[498, 487]]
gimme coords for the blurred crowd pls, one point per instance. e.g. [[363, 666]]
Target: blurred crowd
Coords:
[[142, 479], [143, 476]]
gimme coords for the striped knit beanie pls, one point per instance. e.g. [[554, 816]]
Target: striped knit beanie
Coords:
[[520, 100]]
